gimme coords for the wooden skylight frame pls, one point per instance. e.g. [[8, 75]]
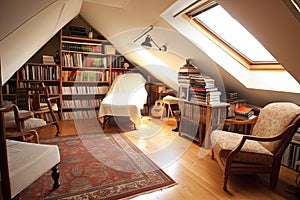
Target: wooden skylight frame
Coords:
[[223, 45]]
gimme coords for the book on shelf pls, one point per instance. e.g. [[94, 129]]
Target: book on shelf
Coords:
[[296, 136], [80, 60], [291, 156], [203, 89], [202, 81], [206, 97], [247, 116], [48, 59], [38, 72], [109, 49]]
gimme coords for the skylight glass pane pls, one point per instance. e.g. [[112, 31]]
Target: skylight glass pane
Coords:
[[234, 34]]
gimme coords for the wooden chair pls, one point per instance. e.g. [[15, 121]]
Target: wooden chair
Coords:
[[20, 121], [261, 151], [37, 100]]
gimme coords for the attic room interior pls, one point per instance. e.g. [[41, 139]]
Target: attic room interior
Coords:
[[135, 99]]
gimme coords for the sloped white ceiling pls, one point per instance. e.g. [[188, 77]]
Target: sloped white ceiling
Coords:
[[13, 15], [113, 3], [17, 47]]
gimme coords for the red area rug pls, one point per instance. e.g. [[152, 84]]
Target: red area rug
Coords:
[[99, 166]]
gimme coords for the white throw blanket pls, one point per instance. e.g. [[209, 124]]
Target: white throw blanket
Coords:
[[126, 97]]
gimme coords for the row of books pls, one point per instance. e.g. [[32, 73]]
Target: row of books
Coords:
[[69, 46], [114, 74], [38, 72], [231, 96], [53, 89], [81, 103], [85, 90], [77, 75], [202, 81], [8, 88], [291, 156], [194, 112], [119, 62], [84, 60], [80, 114]]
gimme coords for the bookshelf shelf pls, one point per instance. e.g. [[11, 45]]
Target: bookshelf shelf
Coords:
[[72, 38], [85, 82]]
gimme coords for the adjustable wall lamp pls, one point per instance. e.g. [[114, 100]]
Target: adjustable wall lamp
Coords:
[[148, 40]]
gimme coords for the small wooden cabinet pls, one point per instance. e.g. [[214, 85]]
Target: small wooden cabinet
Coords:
[[199, 119]]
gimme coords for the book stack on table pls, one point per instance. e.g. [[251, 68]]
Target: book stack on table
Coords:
[[244, 113]]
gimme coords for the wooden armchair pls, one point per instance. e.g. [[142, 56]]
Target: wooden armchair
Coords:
[[17, 121], [37, 100], [261, 151]]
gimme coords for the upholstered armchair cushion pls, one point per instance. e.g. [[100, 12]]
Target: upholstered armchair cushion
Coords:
[[272, 120], [252, 151], [31, 123]]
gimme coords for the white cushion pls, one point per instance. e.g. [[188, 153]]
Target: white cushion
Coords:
[[29, 123], [28, 161]]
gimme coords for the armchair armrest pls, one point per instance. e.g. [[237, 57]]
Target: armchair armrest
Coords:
[[287, 133], [241, 126], [29, 133], [53, 97], [20, 117], [240, 122]]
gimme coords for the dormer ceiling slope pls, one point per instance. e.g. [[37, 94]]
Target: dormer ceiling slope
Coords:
[[23, 38]]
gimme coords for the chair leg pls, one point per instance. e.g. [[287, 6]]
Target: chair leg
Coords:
[[226, 176], [55, 176], [274, 175], [225, 182], [57, 128]]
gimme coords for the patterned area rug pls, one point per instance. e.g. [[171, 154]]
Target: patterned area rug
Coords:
[[99, 166]]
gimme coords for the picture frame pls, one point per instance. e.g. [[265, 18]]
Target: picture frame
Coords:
[[183, 92]]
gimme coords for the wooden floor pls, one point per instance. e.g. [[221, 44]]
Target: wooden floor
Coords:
[[198, 176]]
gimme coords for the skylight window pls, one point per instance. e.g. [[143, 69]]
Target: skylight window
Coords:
[[220, 23]]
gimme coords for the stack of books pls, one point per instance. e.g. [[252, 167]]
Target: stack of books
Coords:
[[186, 72], [203, 89], [78, 31], [48, 60], [244, 113], [184, 79], [196, 87], [231, 96]]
